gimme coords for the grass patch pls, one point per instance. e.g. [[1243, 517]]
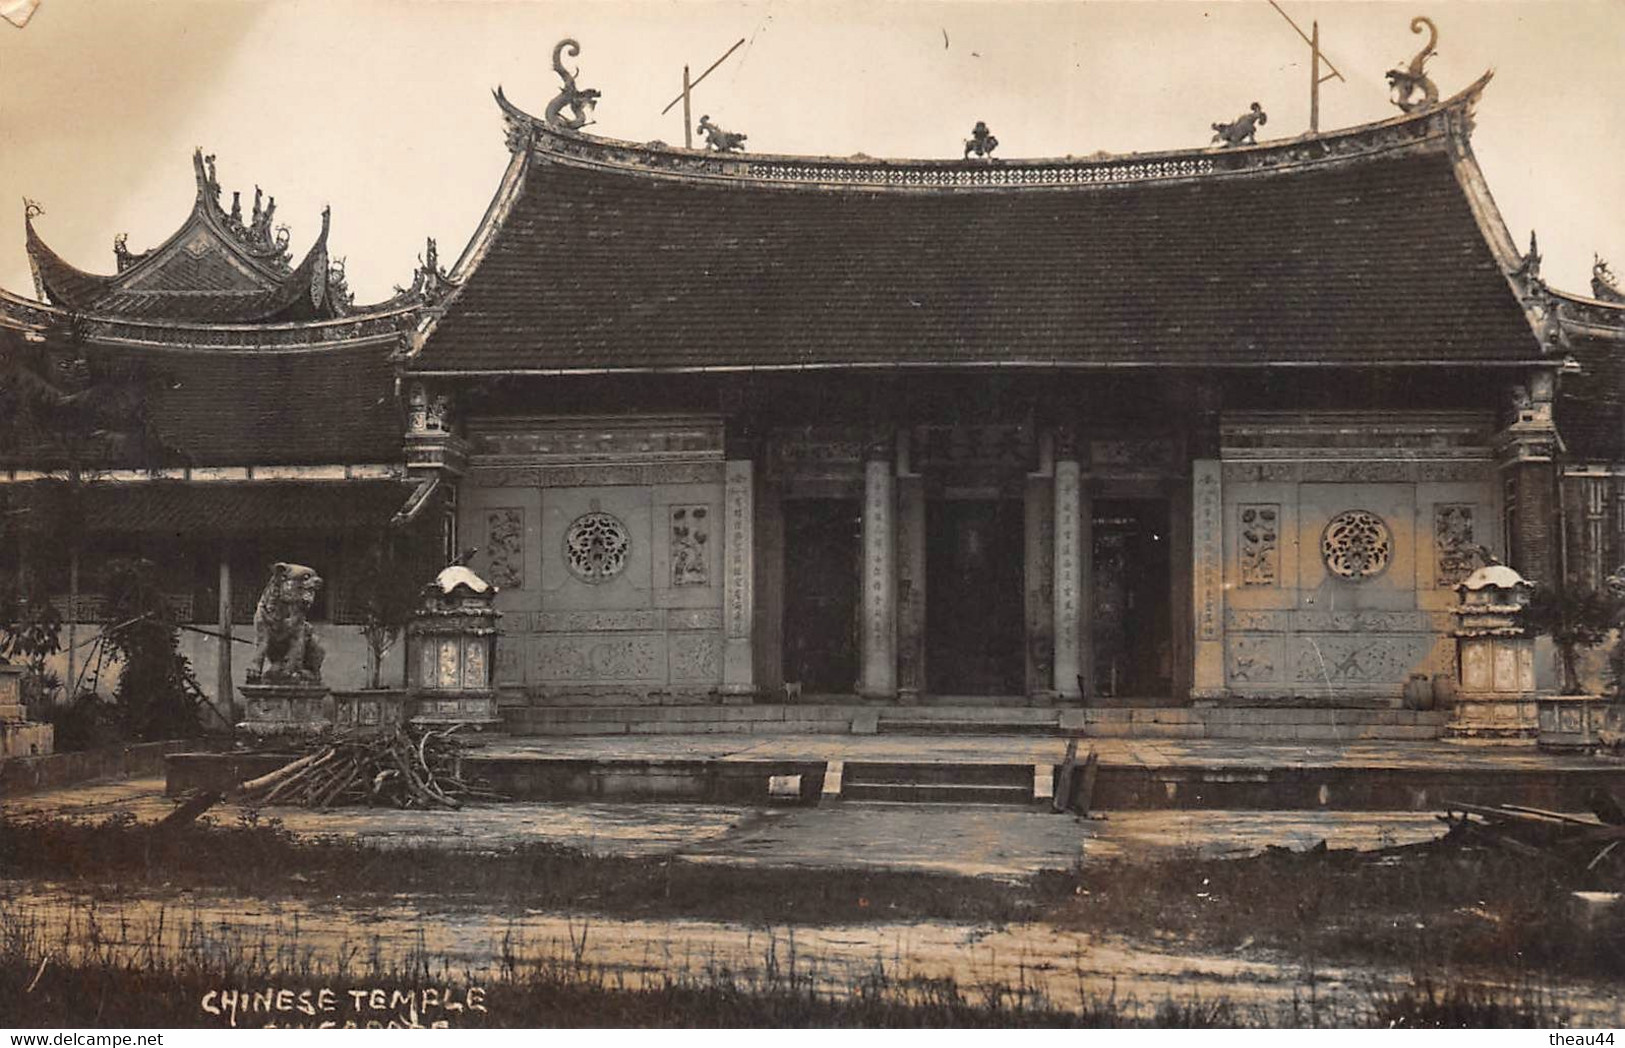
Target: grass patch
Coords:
[[1424, 908], [259, 857]]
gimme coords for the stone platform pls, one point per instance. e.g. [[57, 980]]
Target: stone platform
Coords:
[[1008, 769], [1255, 724]]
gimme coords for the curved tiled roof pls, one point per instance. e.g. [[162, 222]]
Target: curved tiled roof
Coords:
[[214, 269], [1364, 246]]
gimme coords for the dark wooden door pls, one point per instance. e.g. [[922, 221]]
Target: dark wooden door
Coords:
[[822, 549], [1129, 600], [975, 618]]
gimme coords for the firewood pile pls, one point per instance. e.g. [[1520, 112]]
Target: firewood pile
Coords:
[[1537, 833], [413, 768]]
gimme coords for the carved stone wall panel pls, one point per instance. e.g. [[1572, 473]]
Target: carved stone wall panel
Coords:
[[1255, 658], [1369, 621], [1468, 471], [598, 658], [694, 619], [690, 548], [696, 658], [1359, 472], [599, 621], [1256, 620], [1157, 455], [577, 441], [1453, 538], [607, 474], [1258, 538], [510, 665], [1339, 660], [816, 452], [504, 534], [1270, 472]]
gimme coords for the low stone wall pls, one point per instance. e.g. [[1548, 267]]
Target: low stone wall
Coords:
[[52, 771]]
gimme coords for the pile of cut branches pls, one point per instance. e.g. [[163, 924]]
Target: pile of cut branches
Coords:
[[1536, 832], [412, 768]]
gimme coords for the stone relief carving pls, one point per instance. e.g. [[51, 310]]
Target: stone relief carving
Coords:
[[607, 475], [596, 545], [1255, 621], [1454, 547], [690, 539], [597, 659], [1341, 659], [1357, 545], [1253, 658], [696, 657], [505, 545], [1259, 537], [1369, 621]]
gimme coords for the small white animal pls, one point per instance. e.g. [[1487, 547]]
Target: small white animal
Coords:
[[792, 691]]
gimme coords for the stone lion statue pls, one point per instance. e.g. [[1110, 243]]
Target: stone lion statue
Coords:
[[288, 652]]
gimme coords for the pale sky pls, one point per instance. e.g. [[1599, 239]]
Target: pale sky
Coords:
[[382, 108]]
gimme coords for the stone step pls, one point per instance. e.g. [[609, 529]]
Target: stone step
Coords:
[[938, 793], [890, 773]]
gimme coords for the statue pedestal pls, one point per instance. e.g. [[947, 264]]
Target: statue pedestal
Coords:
[[476, 709], [272, 708]]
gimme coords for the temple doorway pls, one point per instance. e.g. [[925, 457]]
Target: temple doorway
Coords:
[[1131, 626], [822, 557], [974, 620]]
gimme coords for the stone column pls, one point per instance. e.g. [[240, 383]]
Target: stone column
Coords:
[[1207, 578], [1068, 589], [911, 594], [738, 584], [877, 673], [1528, 452], [224, 685]]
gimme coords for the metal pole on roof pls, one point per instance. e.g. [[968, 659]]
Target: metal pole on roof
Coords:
[[1314, 77], [688, 86], [688, 117], [1315, 57]]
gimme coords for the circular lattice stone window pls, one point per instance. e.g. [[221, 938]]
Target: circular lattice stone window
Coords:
[[1357, 545], [595, 547]]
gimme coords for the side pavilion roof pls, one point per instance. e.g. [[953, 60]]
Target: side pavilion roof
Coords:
[[1375, 245], [217, 268]]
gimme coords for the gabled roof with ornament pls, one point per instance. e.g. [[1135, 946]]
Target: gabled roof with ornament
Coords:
[[221, 281], [1591, 404], [217, 268], [1374, 245]]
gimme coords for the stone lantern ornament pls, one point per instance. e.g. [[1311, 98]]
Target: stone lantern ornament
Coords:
[[1495, 657], [451, 649]]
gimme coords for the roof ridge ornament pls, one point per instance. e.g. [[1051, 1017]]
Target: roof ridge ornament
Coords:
[[1243, 131], [718, 140], [981, 142], [580, 101], [1604, 287], [1411, 88]]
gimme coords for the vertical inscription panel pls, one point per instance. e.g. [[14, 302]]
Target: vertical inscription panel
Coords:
[[879, 601], [1208, 548], [1068, 583], [739, 585]]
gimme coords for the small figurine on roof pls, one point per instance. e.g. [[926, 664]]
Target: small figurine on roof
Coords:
[[1243, 131], [718, 140], [981, 142]]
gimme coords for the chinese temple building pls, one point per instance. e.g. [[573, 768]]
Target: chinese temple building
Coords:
[[1222, 426], [242, 410]]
